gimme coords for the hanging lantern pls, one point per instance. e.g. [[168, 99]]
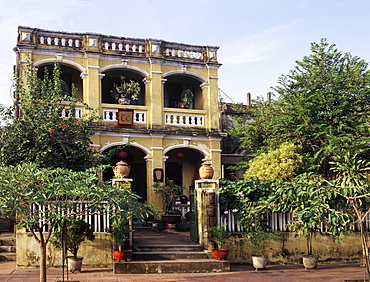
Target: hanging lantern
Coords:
[[180, 155], [122, 155]]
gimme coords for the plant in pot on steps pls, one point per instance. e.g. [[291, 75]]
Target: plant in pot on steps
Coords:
[[71, 234], [120, 231], [219, 234], [169, 193], [259, 237], [125, 91]]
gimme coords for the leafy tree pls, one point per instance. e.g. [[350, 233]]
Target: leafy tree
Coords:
[[352, 184], [44, 197], [281, 163], [35, 131], [322, 105]]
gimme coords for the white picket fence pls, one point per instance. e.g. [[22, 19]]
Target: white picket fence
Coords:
[[100, 222], [277, 221]]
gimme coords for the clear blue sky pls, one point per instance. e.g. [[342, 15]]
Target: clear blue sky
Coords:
[[258, 40]]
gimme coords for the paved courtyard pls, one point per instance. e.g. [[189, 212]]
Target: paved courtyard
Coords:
[[326, 272]]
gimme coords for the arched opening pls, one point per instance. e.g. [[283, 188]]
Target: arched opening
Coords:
[[182, 166], [69, 76], [175, 85], [114, 77], [134, 157]]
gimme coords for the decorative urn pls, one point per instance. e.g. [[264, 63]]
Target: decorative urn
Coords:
[[206, 171], [121, 169]]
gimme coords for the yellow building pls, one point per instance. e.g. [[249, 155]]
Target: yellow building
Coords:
[[161, 135]]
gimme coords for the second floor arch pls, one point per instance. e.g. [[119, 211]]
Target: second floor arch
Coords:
[[113, 75], [70, 75]]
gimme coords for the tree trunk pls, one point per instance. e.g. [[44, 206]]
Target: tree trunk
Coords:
[[364, 240], [42, 261]]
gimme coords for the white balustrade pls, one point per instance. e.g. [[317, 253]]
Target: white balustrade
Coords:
[[111, 115], [66, 113], [183, 54], [56, 41], [116, 46], [181, 119]]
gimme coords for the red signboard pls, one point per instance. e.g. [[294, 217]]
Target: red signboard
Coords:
[[125, 118]]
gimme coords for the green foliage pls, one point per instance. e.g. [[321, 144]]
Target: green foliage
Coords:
[[169, 192], [186, 97], [313, 206], [60, 189], [281, 163], [130, 90], [322, 106], [241, 197], [219, 235], [120, 230], [76, 232], [259, 238], [351, 183], [38, 134]]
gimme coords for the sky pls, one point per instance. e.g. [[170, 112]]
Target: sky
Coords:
[[259, 40]]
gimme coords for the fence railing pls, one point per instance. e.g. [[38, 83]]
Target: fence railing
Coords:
[[277, 221], [98, 221]]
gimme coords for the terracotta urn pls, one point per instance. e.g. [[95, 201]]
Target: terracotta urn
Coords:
[[121, 169], [206, 171]]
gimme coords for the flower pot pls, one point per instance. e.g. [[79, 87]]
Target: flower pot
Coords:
[[310, 262], [259, 262], [184, 106], [124, 101], [74, 265], [220, 254], [121, 169], [206, 171], [121, 255], [171, 218]]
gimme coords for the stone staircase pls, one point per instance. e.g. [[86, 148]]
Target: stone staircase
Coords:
[[7, 246], [168, 252]]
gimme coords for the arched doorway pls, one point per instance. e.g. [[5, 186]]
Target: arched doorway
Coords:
[[134, 157], [182, 166]]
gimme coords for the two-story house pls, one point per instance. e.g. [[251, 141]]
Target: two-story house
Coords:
[[160, 134]]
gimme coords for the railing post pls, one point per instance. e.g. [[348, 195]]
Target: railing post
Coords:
[[207, 208]]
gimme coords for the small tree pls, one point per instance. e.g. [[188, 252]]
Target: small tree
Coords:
[[76, 231], [353, 185], [44, 197]]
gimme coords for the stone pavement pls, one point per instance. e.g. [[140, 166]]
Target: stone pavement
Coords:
[[333, 272]]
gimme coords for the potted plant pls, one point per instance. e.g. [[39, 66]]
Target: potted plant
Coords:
[[120, 231], [125, 91], [307, 228], [218, 236], [186, 98], [74, 232], [169, 192], [258, 239]]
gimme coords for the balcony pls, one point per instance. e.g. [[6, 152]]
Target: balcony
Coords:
[[176, 117]]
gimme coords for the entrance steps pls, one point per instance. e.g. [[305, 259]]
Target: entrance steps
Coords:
[[168, 252], [7, 246]]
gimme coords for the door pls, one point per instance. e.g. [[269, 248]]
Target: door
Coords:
[[193, 217]]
